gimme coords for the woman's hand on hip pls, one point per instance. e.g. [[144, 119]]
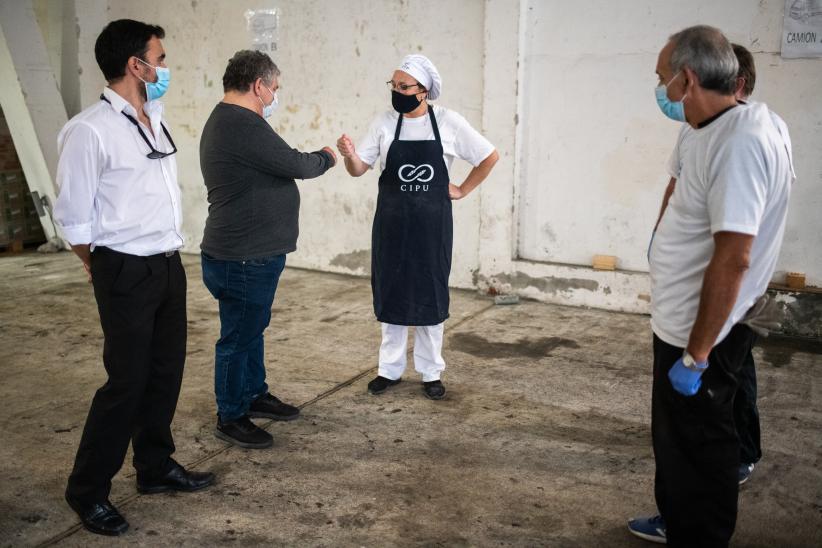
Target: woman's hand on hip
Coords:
[[455, 192]]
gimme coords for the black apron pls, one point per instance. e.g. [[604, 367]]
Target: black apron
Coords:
[[413, 233]]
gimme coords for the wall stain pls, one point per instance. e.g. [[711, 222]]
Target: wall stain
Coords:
[[525, 347], [356, 260], [548, 284], [549, 233]]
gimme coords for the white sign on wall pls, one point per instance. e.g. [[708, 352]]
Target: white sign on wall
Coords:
[[802, 29], [263, 26]]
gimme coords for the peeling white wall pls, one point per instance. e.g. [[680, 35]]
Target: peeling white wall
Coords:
[[595, 145], [563, 89], [335, 58]]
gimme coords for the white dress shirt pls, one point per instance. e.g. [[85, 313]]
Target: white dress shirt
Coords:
[[110, 193]]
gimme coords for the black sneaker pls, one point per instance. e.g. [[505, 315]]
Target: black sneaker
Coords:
[[434, 390], [269, 407], [243, 433], [380, 385]]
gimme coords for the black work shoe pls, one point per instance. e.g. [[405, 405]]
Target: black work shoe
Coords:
[[380, 385], [101, 518], [269, 407], [434, 390], [243, 433], [177, 479]]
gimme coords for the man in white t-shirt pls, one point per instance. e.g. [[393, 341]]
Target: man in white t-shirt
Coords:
[[712, 257], [412, 236], [746, 414]]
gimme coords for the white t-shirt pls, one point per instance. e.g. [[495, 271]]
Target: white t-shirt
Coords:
[[735, 175], [675, 161], [459, 139]]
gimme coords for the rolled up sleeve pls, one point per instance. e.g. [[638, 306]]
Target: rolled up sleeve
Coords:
[[78, 177]]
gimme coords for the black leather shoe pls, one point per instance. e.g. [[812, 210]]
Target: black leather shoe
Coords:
[[380, 385], [177, 479], [243, 433], [434, 390], [101, 518], [269, 407]]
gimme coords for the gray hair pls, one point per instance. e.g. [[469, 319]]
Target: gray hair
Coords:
[[707, 52], [245, 67]]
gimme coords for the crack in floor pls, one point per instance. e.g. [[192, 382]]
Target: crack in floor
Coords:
[[265, 426]]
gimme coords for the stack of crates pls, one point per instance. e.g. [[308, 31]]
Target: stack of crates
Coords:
[[18, 216]]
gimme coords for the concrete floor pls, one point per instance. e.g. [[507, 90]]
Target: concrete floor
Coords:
[[543, 440]]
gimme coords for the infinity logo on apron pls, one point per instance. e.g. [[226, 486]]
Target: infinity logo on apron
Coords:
[[422, 173]]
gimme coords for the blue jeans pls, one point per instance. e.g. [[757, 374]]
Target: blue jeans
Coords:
[[245, 291]]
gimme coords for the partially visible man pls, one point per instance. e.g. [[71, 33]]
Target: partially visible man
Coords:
[[119, 208], [253, 222], [712, 257], [746, 413]]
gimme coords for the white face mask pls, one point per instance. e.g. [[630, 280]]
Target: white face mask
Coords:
[[269, 109]]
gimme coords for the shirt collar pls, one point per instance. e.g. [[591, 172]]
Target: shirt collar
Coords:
[[713, 118], [153, 109], [118, 104]]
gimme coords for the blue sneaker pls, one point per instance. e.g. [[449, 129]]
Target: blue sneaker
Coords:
[[651, 529], [745, 471]]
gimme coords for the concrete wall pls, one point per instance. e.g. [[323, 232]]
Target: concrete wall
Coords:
[[335, 58], [583, 172], [595, 144]]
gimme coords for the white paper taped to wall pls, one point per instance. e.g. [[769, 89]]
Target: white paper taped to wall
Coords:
[[263, 27], [802, 29]]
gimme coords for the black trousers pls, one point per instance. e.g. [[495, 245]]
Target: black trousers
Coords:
[[696, 445], [746, 413], [142, 305]]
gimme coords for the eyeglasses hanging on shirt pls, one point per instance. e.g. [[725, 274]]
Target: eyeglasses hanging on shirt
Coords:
[[154, 154]]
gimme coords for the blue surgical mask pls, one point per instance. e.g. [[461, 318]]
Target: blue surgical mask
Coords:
[[675, 110], [269, 109], [155, 90]]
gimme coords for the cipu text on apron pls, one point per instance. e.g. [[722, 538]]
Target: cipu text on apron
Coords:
[[413, 233]]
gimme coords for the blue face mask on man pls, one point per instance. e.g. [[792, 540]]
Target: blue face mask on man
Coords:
[[675, 110], [269, 109], [155, 90]]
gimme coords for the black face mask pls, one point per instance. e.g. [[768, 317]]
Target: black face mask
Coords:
[[404, 103]]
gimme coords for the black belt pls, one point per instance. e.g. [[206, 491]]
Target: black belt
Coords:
[[163, 255]]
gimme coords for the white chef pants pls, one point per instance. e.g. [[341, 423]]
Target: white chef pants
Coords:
[[427, 351]]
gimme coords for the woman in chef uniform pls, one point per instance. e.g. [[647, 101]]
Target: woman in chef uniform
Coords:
[[412, 236]]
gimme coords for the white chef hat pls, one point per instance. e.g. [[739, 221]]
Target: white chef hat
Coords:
[[424, 72]]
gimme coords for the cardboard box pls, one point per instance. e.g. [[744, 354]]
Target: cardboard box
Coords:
[[12, 213], [12, 179], [12, 198], [34, 231], [15, 231]]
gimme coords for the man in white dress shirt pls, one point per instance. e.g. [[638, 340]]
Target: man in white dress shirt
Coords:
[[119, 208]]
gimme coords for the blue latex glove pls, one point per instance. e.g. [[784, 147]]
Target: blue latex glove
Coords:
[[685, 380]]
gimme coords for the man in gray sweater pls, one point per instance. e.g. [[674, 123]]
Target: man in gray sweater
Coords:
[[252, 224]]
